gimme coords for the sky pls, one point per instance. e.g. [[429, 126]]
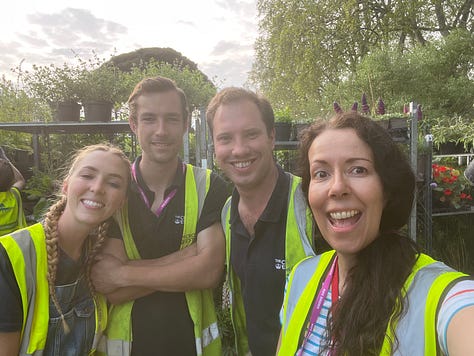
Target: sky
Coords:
[[218, 35]]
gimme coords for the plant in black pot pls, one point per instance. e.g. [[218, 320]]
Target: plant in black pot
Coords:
[[58, 87], [283, 124], [100, 85]]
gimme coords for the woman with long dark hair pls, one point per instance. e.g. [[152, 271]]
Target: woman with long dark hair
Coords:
[[374, 293]]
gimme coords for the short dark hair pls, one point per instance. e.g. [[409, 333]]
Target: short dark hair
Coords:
[[156, 85], [391, 164], [232, 95], [7, 177]]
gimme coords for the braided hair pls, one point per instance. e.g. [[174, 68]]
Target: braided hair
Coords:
[[96, 238]]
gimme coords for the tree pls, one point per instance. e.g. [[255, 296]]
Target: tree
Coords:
[[305, 46], [141, 57], [438, 75]]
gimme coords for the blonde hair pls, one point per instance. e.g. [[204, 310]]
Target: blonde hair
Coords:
[[96, 239]]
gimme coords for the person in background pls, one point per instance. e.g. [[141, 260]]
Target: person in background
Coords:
[[469, 172], [12, 216], [161, 274], [267, 223], [48, 303], [374, 293]]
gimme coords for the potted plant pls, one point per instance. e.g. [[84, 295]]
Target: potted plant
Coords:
[[100, 89], [451, 189], [57, 86], [283, 124]]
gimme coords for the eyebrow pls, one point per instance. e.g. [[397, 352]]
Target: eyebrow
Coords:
[[92, 168], [350, 160]]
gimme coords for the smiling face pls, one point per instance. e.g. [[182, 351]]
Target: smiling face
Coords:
[[243, 147], [96, 188], [160, 126], [345, 192]]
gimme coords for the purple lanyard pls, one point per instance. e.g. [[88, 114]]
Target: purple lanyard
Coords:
[[318, 306], [165, 201]]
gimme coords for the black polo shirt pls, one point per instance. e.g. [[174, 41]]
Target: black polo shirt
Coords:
[[259, 263], [161, 322]]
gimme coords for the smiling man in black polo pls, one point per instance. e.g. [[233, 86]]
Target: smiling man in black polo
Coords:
[[267, 223]]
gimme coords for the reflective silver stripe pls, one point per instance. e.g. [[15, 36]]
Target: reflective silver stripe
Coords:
[[300, 216], [200, 176], [114, 347], [410, 329], [26, 244], [209, 334]]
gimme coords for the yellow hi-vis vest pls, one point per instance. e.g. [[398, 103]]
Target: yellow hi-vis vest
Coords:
[[424, 289], [298, 245], [118, 340], [26, 250], [12, 216]]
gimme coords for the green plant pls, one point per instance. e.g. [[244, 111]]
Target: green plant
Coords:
[[40, 188], [283, 115], [99, 80], [451, 186], [53, 83]]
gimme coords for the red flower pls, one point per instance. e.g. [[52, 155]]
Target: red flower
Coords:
[[448, 192]]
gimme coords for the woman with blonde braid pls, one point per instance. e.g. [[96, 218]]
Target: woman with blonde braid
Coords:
[[48, 303]]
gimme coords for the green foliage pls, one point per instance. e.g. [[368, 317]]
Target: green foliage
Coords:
[[198, 89], [99, 80], [283, 115], [310, 53], [142, 56], [53, 83], [453, 129], [436, 75], [452, 241], [40, 188], [16, 105]]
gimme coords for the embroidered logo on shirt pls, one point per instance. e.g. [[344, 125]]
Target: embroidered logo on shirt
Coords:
[[179, 220], [280, 264]]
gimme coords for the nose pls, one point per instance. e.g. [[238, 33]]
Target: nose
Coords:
[[160, 127], [97, 186], [339, 185], [240, 147]]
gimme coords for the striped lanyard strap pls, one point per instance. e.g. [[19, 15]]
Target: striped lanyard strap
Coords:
[[318, 305]]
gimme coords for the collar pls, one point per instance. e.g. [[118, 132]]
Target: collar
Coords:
[[276, 205], [177, 182]]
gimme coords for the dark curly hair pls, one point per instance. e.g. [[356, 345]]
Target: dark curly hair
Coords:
[[7, 177], [373, 291]]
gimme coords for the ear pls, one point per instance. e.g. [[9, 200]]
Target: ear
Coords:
[[271, 135], [65, 187], [133, 126]]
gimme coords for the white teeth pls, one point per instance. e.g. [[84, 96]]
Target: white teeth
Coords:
[[242, 164], [343, 214], [92, 204]]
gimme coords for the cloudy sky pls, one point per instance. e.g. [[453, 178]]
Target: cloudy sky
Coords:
[[218, 35]]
